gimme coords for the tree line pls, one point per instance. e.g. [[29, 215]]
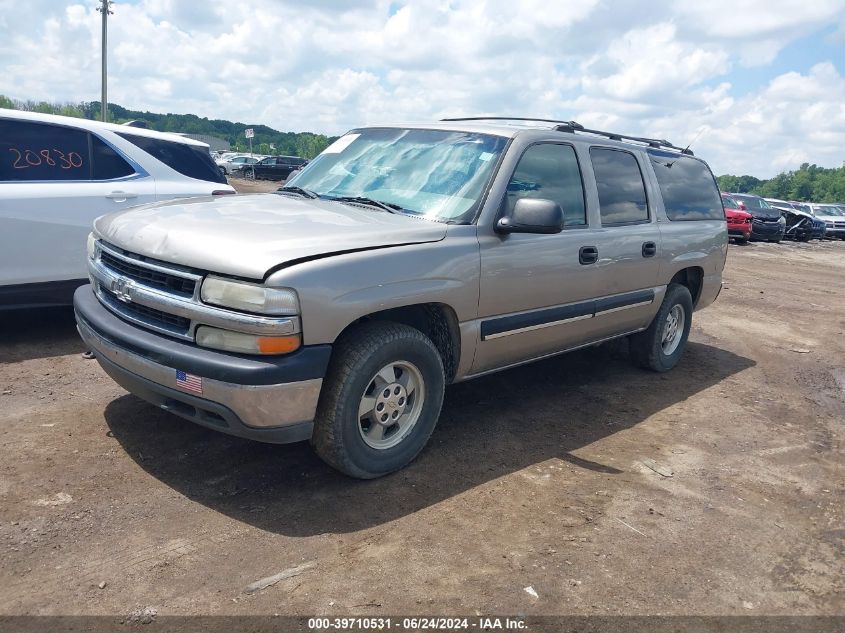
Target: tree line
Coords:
[[266, 141], [809, 183]]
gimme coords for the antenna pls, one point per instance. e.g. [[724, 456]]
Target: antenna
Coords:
[[686, 149], [105, 9]]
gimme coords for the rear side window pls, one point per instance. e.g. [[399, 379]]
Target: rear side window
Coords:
[[39, 151], [622, 197], [188, 160], [550, 171], [688, 188], [107, 163]]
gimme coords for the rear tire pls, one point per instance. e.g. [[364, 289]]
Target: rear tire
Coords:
[[742, 241], [380, 401], [660, 347]]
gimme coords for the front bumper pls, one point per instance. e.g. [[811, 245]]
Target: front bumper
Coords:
[[742, 231], [767, 230], [265, 399]]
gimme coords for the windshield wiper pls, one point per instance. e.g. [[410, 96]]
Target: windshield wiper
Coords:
[[306, 193], [386, 206]]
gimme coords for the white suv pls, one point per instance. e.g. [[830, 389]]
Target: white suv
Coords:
[[57, 174]]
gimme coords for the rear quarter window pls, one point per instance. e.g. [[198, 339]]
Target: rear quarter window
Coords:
[[688, 188], [189, 160]]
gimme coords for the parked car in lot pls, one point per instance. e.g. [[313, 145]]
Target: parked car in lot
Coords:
[[58, 173], [237, 163], [398, 261], [739, 221], [801, 225], [272, 168], [834, 218], [767, 223]]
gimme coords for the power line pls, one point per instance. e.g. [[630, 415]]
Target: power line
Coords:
[[105, 10]]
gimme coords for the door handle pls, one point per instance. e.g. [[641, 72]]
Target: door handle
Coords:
[[588, 255], [120, 196], [649, 249]]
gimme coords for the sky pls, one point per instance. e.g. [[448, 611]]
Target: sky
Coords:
[[760, 83]]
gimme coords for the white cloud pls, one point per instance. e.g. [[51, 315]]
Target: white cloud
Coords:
[[658, 68]]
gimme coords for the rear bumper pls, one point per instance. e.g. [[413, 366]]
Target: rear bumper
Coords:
[[266, 400]]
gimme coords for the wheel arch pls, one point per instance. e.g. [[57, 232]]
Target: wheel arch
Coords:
[[692, 277], [437, 321]]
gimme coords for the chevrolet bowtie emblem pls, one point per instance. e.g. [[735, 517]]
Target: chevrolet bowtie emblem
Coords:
[[122, 288]]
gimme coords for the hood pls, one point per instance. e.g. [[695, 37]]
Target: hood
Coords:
[[246, 236], [764, 213]]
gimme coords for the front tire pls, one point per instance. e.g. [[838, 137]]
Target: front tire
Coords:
[[660, 347], [381, 400]]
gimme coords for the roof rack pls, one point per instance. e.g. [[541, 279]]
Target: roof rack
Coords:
[[574, 126]]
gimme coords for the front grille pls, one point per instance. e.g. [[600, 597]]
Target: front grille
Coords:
[[766, 220], [151, 316], [148, 276]]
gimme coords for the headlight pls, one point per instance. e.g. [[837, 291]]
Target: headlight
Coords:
[[92, 246], [246, 343], [249, 297]]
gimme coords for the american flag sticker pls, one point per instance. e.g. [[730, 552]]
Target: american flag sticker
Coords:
[[188, 382]]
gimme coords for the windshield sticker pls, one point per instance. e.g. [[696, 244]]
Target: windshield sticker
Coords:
[[341, 144], [485, 156]]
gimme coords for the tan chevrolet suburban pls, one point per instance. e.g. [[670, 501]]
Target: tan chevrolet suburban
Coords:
[[400, 260]]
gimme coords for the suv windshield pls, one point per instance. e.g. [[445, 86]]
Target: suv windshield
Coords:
[[435, 174]]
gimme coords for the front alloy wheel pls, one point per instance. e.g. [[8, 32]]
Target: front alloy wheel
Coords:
[[380, 400], [391, 405]]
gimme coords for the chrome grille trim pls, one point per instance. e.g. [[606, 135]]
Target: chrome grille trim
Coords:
[[114, 289]]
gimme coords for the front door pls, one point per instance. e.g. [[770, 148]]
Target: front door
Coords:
[[537, 291]]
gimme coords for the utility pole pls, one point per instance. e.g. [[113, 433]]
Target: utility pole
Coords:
[[105, 9]]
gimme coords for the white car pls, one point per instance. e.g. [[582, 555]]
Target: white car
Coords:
[[57, 174], [238, 162]]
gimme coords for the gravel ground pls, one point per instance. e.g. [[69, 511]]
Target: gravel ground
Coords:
[[553, 476]]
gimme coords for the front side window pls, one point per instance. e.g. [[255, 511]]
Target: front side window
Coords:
[[551, 172], [688, 188], [189, 160], [437, 174], [39, 151], [622, 197]]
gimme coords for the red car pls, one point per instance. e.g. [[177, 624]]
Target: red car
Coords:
[[739, 221]]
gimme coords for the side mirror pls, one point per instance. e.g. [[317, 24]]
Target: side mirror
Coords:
[[532, 215]]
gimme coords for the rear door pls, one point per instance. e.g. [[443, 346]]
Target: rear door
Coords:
[[54, 181], [627, 243]]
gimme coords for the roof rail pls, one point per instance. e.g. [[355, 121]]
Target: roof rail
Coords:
[[574, 126]]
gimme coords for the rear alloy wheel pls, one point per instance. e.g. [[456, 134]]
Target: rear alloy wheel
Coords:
[[380, 401], [662, 344]]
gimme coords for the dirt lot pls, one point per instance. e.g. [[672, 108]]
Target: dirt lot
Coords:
[[535, 477]]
